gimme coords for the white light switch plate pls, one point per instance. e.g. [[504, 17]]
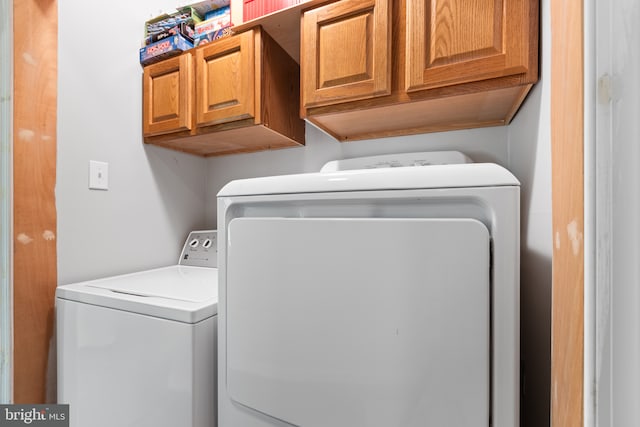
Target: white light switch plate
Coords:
[[98, 175]]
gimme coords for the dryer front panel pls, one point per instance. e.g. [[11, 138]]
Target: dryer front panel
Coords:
[[359, 321]]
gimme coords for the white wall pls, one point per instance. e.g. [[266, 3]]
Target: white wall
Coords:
[[156, 196], [530, 161], [617, 209]]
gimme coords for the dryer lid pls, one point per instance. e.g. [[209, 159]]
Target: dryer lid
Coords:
[[182, 293], [426, 158], [391, 178]]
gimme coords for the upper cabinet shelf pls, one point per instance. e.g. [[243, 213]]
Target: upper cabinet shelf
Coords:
[[373, 68], [283, 26]]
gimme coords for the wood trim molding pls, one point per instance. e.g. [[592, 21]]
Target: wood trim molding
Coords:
[[34, 178], [567, 152]]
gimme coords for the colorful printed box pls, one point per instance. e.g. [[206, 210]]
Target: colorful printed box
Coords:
[[163, 49], [218, 19], [163, 23], [211, 36], [184, 29], [217, 12]]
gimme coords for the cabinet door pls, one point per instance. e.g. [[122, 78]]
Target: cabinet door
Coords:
[[346, 52], [168, 95], [459, 41], [225, 80]]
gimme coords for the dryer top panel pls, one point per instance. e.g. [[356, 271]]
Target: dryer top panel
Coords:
[[392, 178]]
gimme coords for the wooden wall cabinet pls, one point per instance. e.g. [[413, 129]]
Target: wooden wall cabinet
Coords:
[[452, 64], [237, 94], [347, 52], [226, 76], [464, 41], [168, 95]]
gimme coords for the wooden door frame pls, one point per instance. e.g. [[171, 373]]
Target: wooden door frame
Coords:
[[567, 152], [35, 41]]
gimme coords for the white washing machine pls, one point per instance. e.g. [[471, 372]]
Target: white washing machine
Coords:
[[371, 294], [140, 349]]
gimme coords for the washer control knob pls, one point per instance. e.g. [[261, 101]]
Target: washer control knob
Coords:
[[194, 243], [207, 244]]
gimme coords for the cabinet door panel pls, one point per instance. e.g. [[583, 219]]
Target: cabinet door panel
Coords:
[[226, 78], [459, 41], [168, 94], [346, 52]]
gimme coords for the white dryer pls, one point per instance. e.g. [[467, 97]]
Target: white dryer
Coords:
[[380, 296], [140, 349]]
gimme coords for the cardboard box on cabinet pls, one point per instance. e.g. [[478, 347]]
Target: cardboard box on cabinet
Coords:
[[164, 49], [212, 35]]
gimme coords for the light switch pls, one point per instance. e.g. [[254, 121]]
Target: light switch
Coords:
[[98, 175]]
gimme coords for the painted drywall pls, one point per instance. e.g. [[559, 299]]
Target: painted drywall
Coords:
[[155, 195], [617, 208], [530, 160]]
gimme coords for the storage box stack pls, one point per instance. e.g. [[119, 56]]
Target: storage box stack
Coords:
[[172, 33], [256, 8], [168, 35], [217, 24]]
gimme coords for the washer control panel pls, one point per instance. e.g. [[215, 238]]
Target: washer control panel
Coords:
[[398, 160], [200, 249]]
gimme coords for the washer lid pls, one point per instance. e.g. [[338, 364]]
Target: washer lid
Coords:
[[175, 282], [392, 178], [182, 293]]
